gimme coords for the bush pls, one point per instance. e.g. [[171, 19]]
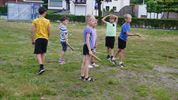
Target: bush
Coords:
[[3, 10], [136, 22], [55, 17]]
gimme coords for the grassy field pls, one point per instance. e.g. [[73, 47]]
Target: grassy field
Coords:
[[151, 72]]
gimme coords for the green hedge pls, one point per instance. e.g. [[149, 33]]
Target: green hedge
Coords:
[[55, 17], [136, 22], [3, 10]]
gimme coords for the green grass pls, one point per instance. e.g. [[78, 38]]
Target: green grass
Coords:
[[138, 81]]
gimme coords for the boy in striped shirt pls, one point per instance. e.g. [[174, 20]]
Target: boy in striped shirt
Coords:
[[63, 37]]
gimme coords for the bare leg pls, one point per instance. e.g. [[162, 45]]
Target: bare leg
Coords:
[[82, 66], [117, 53], [108, 51], [121, 55], [93, 59], [43, 58], [39, 58], [62, 55], [112, 52], [87, 62]]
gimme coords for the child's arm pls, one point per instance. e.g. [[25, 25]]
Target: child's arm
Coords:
[[104, 19], [33, 34], [65, 36], [49, 29], [132, 34], [116, 18], [88, 43]]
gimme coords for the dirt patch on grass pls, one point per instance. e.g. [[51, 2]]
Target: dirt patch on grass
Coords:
[[160, 78], [163, 69]]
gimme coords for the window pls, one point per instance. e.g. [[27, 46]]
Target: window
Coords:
[[55, 3], [108, 0], [114, 8], [107, 8], [80, 1]]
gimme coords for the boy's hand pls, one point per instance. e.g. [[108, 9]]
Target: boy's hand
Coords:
[[138, 35], [33, 42]]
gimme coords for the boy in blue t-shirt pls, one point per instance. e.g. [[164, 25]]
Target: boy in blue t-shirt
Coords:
[[63, 37], [122, 39]]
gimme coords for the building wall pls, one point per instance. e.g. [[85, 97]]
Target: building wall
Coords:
[[82, 9], [3, 2], [119, 4], [89, 7], [59, 7]]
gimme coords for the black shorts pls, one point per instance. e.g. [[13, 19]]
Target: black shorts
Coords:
[[121, 44], [64, 46], [40, 46], [85, 50], [109, 42]]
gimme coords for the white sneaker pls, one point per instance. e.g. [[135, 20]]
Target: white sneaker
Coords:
[[121, 64], [90, 66], [95, 65], [113, 58]]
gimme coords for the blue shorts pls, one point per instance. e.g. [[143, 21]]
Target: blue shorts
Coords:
[[64, 46]]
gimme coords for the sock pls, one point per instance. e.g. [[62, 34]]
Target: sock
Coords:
[[111, 57], [108, 56], [41, 66]]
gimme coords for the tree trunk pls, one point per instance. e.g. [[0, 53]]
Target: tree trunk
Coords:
[[167, 15], [99, 11], [68, 4], [157, 15]]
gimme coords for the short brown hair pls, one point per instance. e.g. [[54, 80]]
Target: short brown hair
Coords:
[[64, 18], [42, 10]]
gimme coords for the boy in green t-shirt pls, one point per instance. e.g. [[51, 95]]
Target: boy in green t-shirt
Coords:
[[110, 35]]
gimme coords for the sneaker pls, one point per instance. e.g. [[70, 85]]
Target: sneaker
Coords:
[[82, 78], [108, 57], [121, 65], [89, 79], [41, 71], [95, 65], [61, 61], [113, 60], [90, 66]]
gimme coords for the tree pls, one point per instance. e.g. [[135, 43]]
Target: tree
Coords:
[[158, 6], [68, 4], [45, 3], [136, 1], [151, 6], [99, 2]]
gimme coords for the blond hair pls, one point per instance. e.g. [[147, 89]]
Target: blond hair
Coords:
[[89, 18], [112, 17], [126, 16]]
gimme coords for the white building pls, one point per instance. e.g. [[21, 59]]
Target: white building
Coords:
[[116, 5], [141, 12], [85, 7], [57, 4]]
